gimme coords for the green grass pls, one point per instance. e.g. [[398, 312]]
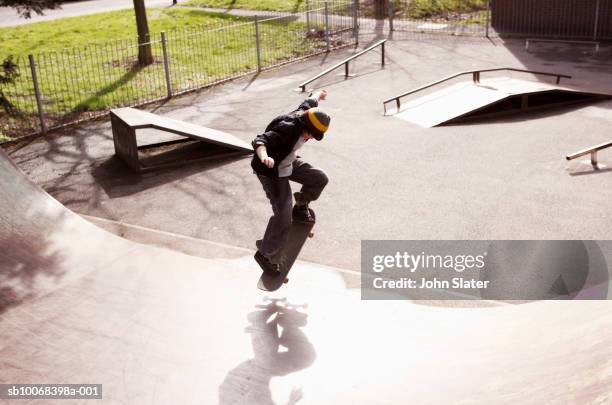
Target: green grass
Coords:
[[100, 70], [430, 9], [99, 28], [439, 8], [262, 5]]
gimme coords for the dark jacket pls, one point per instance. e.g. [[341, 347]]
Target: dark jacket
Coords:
[[280, 138]]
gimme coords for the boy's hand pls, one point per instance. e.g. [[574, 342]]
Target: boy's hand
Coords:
[[320, 95], [262, 154], [268, 161]]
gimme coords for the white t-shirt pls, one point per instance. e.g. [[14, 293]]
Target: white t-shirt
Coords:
[[285, 168]]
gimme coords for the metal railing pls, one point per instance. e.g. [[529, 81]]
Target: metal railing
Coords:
[[54, 89], [346, 64], [406, 18], [475, 77], [590, 151]]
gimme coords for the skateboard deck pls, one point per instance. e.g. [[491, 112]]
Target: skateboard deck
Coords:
[[298, 233]]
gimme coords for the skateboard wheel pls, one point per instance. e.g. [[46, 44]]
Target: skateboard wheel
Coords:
[[286, 280], [311, 234]]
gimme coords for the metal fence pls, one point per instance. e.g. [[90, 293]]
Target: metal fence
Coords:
[[564, 19], [571, 19], [57, 88], [406, 17]]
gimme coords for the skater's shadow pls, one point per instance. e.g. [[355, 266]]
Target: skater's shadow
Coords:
[[280, 348]]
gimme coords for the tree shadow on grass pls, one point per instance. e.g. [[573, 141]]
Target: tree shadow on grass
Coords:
[[231, 5], [296, 6], [95, 99]]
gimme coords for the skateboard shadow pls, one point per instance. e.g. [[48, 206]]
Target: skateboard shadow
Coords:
[[280, 348]]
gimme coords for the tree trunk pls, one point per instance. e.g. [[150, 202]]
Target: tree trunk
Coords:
[[145, 55], [380, 9]]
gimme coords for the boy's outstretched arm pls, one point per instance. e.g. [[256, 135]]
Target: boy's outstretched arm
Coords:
[[313, 100]]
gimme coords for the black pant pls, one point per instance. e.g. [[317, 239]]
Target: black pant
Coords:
[[278, 191]]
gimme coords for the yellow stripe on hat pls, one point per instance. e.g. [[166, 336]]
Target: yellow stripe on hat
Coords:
[[315, 121]]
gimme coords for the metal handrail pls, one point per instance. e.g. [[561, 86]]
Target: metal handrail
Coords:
[[475, 77], [592, 151], [346, 64]]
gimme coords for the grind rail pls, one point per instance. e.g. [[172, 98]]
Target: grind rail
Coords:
[[590, 151], [346, 64]]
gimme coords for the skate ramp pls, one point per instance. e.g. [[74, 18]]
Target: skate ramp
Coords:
[[154, 326], [485, 98], [198, 143], [44, 245]]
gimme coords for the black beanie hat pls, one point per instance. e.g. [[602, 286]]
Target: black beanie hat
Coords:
[[316, 121]]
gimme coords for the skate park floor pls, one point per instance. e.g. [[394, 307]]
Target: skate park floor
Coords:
[[498, 179], [154, 326], [157, 326]]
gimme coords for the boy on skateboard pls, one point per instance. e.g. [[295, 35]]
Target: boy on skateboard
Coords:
[[275, 163]]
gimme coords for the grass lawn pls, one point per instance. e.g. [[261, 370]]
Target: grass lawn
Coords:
[[264, 5], [78, 32], [91, 63], [437, 8], [428, 9]]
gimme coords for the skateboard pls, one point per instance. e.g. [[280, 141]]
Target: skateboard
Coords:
[[298, 233]]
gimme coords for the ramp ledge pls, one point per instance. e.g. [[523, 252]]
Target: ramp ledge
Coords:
[[475, 77]]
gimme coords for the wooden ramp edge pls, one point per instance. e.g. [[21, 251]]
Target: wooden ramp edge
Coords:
[[488, 98], [125, 122]]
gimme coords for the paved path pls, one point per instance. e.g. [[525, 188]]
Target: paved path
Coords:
[[9, 17]]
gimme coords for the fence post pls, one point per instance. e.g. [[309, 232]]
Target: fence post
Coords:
[[308, 15], [41, 114], [257, 43], [390, 11], [166, 64], [327, 26], [488, 18], [597, 7], [355, 21]]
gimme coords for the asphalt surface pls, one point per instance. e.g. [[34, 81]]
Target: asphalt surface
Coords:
[[389, 179], [9, 17], [153, 326]]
